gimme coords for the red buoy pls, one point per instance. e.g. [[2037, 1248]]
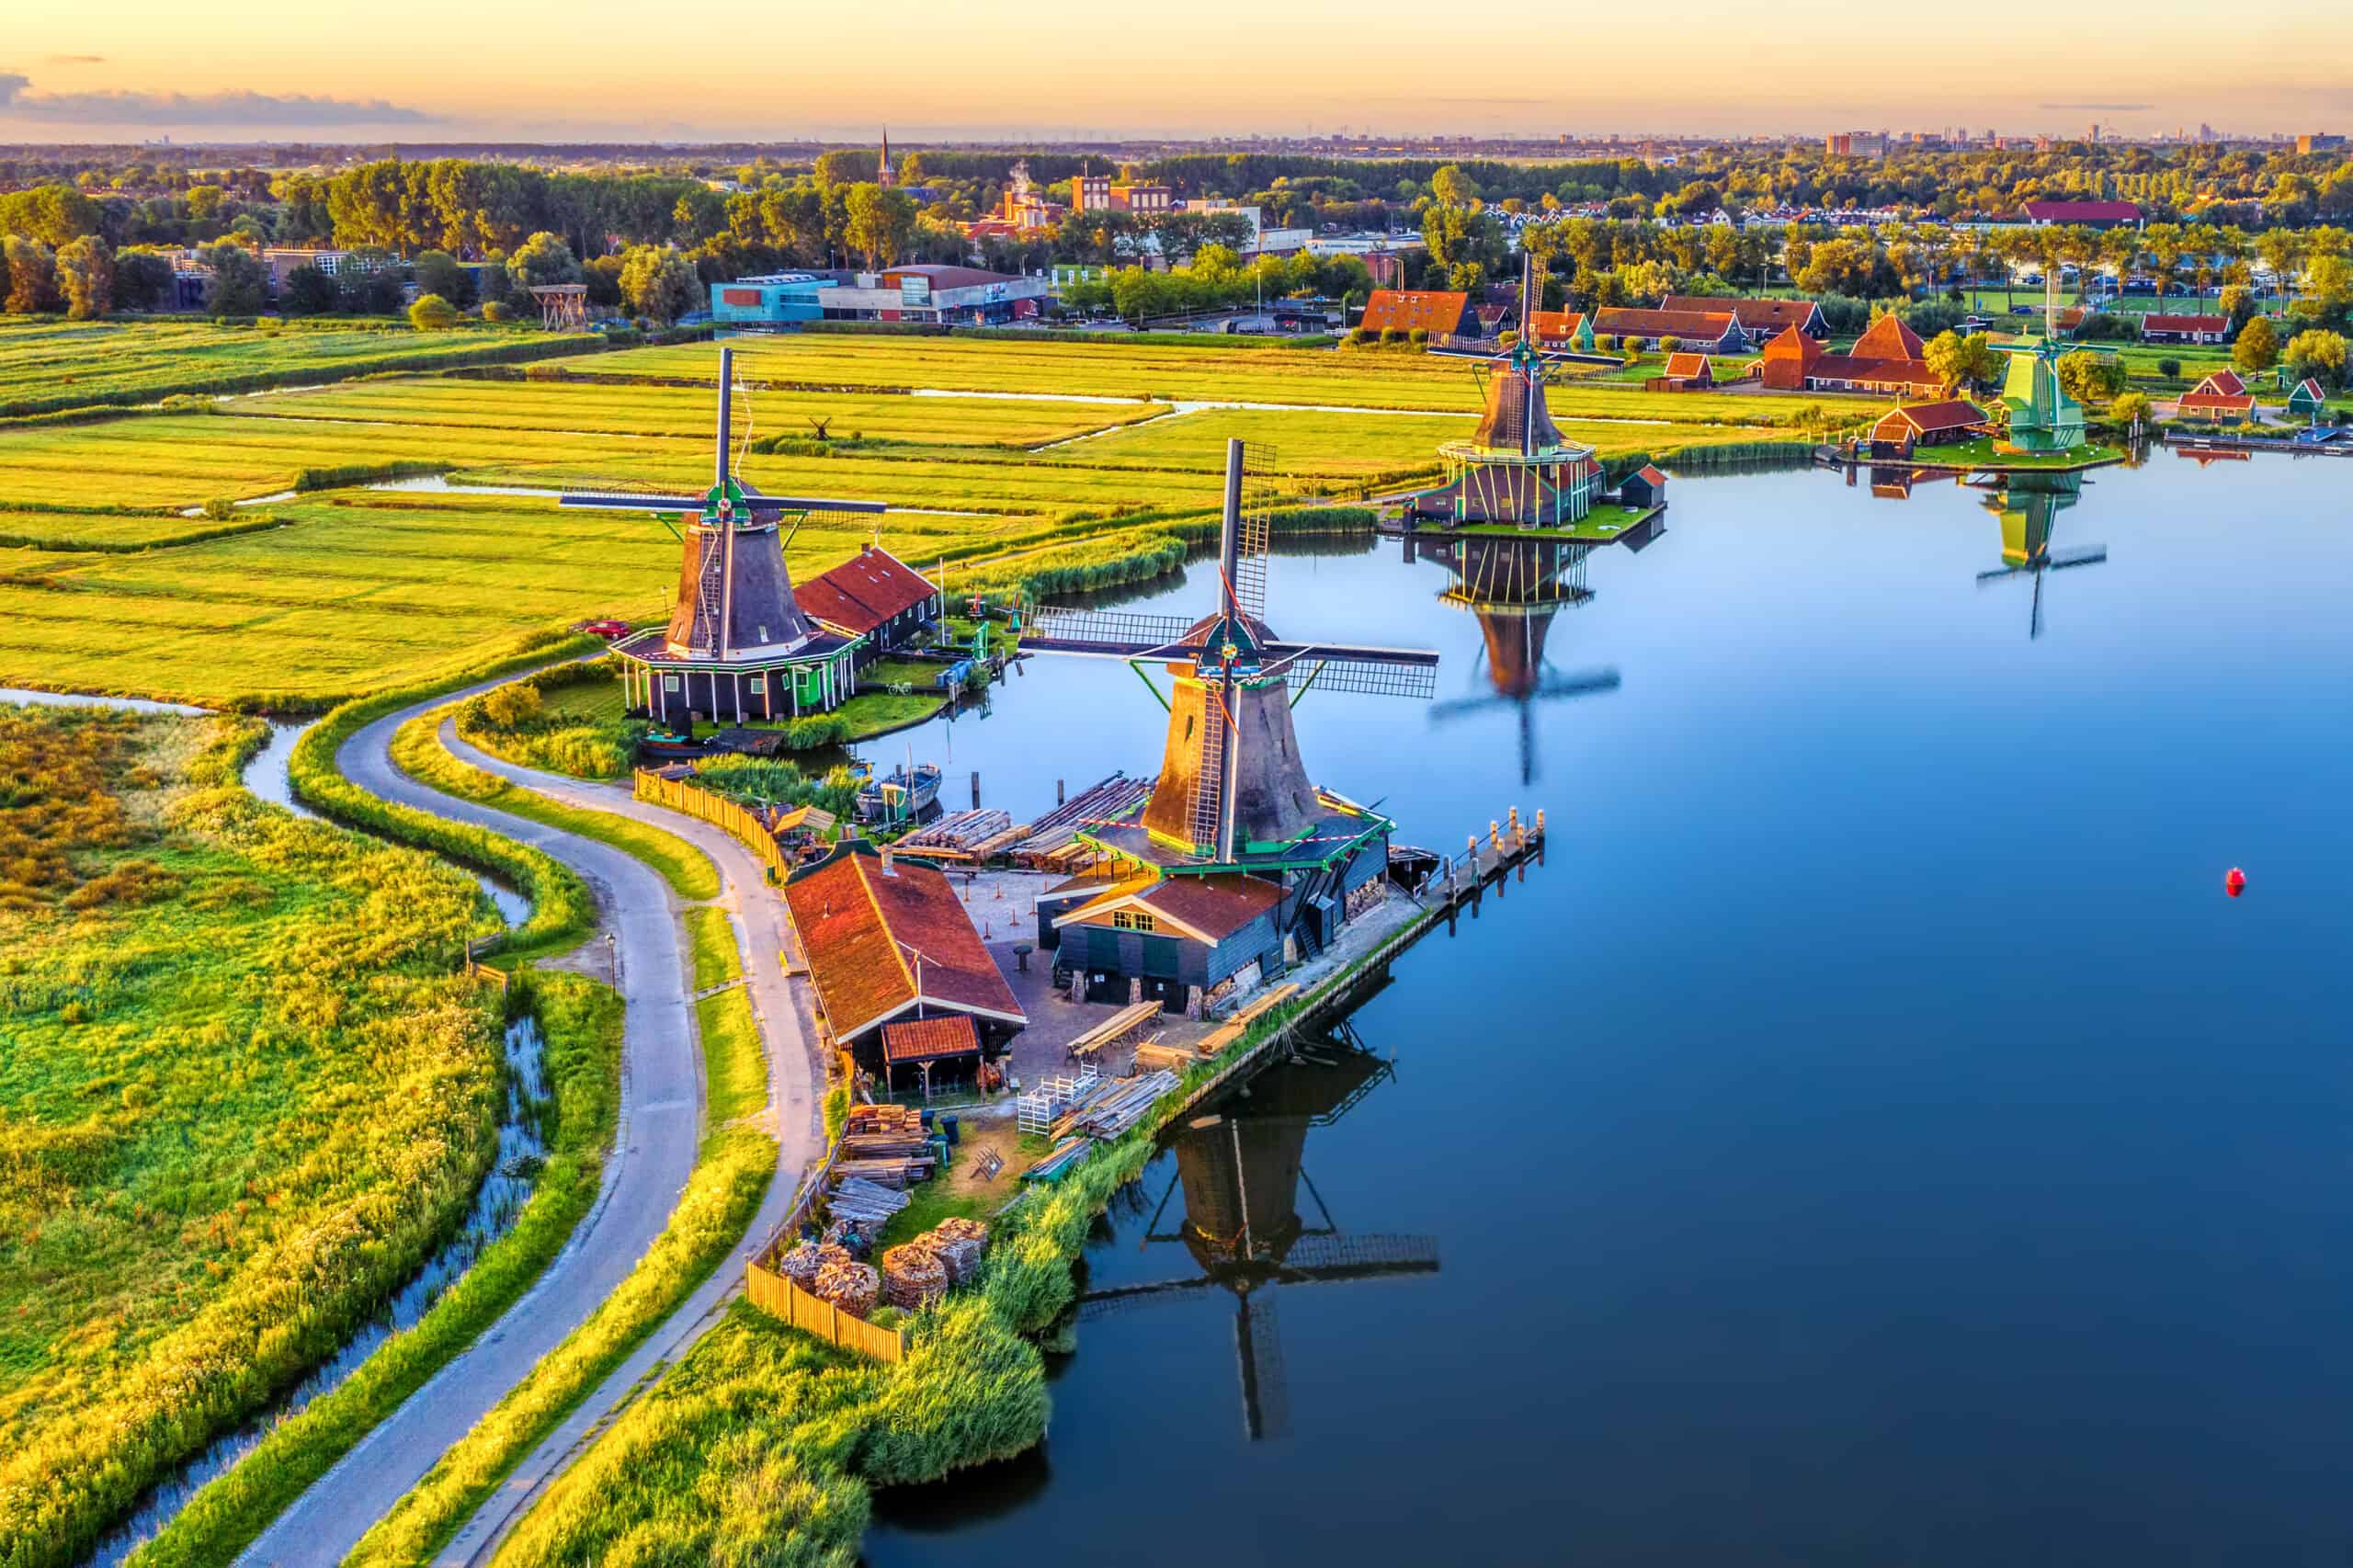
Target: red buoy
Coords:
[[2235, 883]]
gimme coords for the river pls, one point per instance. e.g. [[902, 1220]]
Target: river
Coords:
[[1872, 1137]]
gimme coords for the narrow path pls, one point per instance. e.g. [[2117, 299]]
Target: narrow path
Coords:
[[661, 1111]]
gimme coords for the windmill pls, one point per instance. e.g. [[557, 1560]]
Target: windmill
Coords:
[[2028, 504], [1517, 468], [1516, 586], [1232, 793], [1241, 1172], [736, 643], [2043, 417]]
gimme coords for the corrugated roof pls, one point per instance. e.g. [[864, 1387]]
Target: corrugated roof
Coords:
[[1406, 309], [863, 592], [852, 919]]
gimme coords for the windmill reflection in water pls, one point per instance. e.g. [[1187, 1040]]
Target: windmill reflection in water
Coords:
[[2028, 504], [1242, 1169]]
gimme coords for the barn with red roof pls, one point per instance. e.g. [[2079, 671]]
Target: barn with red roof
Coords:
[[874, 598]]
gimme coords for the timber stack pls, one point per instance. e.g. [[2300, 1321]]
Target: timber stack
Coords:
[[885, 1145]]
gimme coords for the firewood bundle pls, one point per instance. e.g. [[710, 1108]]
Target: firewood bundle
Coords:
[[854, 1288], [913, 1275], [959, 1243], [904, 1120], [805, 1262]]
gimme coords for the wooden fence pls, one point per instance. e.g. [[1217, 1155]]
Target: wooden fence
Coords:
[[716, 810], [780, 1298]]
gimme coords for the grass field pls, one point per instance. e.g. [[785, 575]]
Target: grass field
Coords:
[[48, 362], [243, 1093]]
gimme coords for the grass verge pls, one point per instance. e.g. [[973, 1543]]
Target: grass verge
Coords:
[[582, 1022], [734, 1077]]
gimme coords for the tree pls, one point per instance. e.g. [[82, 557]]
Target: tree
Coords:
[[437, 272], [239, 287], [496, 311], [541, 260], [2129, 408], [659, 283], [2316, 355], [2328, 285], [32, 276], [878, 222], [2169, 367], [1451, 187], [431, 313], [140, 279], [1947, 355], [307, 292], [2257, 347], [2090, 378], [86, 277]]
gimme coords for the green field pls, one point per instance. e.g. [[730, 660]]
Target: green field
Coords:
[[242, 1094], [47, 362]]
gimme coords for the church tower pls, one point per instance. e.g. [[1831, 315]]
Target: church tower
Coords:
[[883, 175]]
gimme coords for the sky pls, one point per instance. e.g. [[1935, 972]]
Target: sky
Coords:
[[582, 70]]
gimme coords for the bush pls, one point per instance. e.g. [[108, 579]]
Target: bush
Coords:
[[2169, 367], [1419, 337], [497, 311], [431, 313], [1391, 337], [1604, 342]]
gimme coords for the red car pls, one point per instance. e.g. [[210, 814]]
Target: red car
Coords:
[[607, 629]]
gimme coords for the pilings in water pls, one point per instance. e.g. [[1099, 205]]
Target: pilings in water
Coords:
[[1464, 878]]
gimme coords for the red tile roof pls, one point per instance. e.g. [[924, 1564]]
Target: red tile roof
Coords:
[[1753, 316], [1686, 366], [2226, 383], [926, 1040], [2082, 211], [2184, 324], [1695, 326], [1887, 338], [1405, 309], [862, 592], [1884, 375], [852, 917], [1794, 344], [2214, 402], [1215, 906], [1553, 326], [1930, 418]]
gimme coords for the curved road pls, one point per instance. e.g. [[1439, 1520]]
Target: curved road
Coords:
[[660, 1119]]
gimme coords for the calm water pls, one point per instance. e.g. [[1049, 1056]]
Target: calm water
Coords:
[[1872, 1138]]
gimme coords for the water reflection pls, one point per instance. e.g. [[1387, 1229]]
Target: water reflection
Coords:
[[1242, 1167], [2028, 505], [1515, 587]]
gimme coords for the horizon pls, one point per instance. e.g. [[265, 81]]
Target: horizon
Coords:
[[1314, 70]]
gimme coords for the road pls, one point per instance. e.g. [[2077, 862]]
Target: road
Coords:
[[661, 1111]]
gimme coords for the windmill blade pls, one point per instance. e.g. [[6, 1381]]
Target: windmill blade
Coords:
[[1365, 1256], [1254, 527], [1339, 666], [1463, 707], [1265, 1391], [2089, 555], [2034, 615], [1126, 1297], [1584, 683], [629, 501], [1106, 633]]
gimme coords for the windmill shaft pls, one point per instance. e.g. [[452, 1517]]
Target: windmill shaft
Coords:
[[726, 409]]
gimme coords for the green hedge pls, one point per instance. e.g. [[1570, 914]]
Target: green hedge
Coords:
[[338, 477]]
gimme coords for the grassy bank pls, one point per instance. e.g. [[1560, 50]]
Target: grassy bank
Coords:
[[581, 1021], [245, 1095]]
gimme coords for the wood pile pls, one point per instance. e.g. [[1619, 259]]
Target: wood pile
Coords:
[[1235, 1026], [1051, 841], [1064, 1155], [1158, 1054], [956, 836], [1115, 1029], [1114, 1105], [852, 1287], [885, 1145], [960, 1244], [865, 1202], [805, 1262], [913, 1275], [884, 1118]]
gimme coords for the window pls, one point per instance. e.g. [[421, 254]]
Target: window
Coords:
[[1123, 921], [669, 683], [1143, 922]]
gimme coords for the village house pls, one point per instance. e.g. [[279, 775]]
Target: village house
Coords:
[[1760, 319], [1902, 430], [1710, 332], [2083, 214], [887, 942], [1885, 360], [2308, 398], [2157, 328], [1684, 372], [1566, 330], [1170, 935], [877, 601], [2220, 397], [1433, 311]]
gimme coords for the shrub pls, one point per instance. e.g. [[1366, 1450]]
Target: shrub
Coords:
[[431, 313], [1391, 337], [495, 311], [1605, 343], [2169, 367]]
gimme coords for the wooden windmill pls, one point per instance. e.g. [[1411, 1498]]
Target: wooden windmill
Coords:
[[736, 643], [2028, 505], [1516, 586], [1231, 777], [1243, 1173]]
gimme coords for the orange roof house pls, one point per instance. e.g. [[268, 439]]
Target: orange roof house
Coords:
[[1717, 331], [1758, 318], [889, 941], [2220, 383], [2217, 406], [1885, 359], [1433, 311], [1915, 423], [870, 591]]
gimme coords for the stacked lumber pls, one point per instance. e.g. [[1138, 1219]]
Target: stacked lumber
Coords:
[[854, 1288], [885, 1145], [1115, 1105], [1116, 1027], [865, 1202], [899, 1119], [1064, 1155], [913, 1275], [955, 835], [1051, 841], [960, 1244], [1158, 1054], [1235, 1026]]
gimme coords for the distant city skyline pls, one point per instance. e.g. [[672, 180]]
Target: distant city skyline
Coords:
[[591, 69]]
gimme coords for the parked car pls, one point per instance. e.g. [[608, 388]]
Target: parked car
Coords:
[[607, 629]]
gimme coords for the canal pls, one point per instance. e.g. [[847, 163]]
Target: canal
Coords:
[[1872, 1136]]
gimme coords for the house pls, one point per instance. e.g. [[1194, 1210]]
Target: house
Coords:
[[2184, 329], [1570, 330], [1712, 331], [960, 296], [875, 599], [2308, 398], [2221, 384], [1643, 488], [1433, 311], [1760, 319], [1885, 360], [888, 941], [1684, 372], [1169, 936], [2083, 214], [1901, 431], [2221, 408]]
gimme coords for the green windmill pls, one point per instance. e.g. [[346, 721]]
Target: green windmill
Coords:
[[2044, 418]]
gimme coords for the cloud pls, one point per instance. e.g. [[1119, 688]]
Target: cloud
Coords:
[[2111, 108], [77, 60], [178, 109]]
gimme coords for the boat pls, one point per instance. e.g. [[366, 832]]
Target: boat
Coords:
[[907, 791]]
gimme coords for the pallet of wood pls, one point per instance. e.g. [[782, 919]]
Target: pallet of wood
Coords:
[[866, 1202], [955, 836], [1234, 1028], [884, 1118], [1116, 1027], [1115, 1106], [1160, 1054], [888, 1173]]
